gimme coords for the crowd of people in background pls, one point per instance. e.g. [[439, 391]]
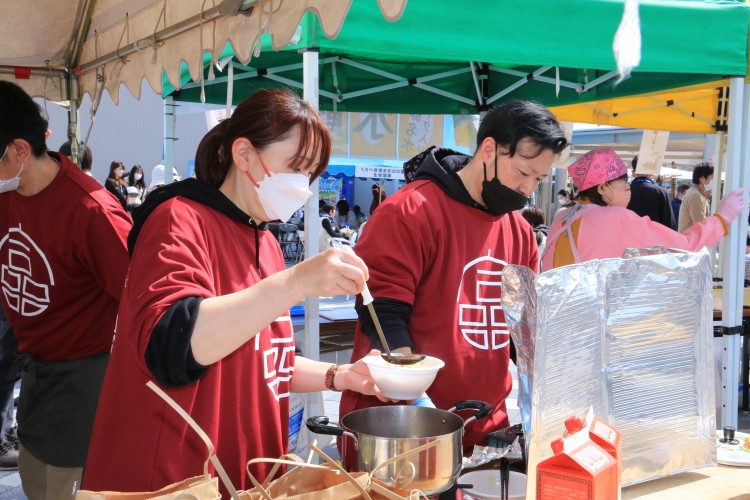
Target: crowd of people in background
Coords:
[[130, 189]]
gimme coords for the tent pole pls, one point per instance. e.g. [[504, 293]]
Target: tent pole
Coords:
[[311, 343], [730, 247], [169, 137], [312, 219], [73, 132], [709, 147], [230, 91], [742, 226], [719, 164]]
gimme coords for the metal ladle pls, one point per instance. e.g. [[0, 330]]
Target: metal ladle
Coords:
[[396, 358]]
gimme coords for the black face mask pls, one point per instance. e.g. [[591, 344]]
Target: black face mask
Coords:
[[498, 198]]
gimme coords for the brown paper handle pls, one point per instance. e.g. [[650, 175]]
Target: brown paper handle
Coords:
[[413, 494], [213, 458], [296, 461], [278, 462], [339, 468], [276, 467]]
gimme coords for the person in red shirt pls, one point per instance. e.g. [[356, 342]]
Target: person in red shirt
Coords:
[[63, 257], [378, 196], [437, 247], [205, 311]]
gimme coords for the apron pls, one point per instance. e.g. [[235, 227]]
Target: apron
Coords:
[[56, 408], [570, 217]]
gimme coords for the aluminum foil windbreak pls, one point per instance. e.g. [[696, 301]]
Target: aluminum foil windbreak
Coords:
[[631, 338]]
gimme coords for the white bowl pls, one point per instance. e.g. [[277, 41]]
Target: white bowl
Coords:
[[403, 382], [487, 485]]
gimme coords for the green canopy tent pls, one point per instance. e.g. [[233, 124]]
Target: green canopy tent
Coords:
[[443, 57], [439, 59]]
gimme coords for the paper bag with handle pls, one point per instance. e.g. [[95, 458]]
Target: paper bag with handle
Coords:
[[328, 481], [202, 487]]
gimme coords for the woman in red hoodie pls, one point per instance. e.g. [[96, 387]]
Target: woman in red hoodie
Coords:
[[205, 310]]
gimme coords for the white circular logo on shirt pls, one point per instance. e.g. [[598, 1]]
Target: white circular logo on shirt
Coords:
[[25, 275], [480, 311]]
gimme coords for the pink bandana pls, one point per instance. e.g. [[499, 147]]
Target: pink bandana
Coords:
[[596, 167]]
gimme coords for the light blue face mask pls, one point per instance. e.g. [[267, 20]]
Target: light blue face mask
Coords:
[[9, 185]]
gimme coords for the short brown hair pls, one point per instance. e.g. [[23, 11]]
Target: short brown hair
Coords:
[[266, 117]]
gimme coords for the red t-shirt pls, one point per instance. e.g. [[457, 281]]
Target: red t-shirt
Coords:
[[444, 258], [63, 259], [186, 249]]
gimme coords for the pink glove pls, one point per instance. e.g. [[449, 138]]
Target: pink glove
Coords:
[[731, 206]]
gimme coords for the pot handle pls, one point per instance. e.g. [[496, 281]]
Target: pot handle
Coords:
[[482, 409], [322, 425]]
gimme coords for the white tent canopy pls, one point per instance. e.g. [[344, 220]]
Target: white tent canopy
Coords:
[[110, 42]]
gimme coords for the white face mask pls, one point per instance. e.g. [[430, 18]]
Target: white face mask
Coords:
[[137, 176], [283, 194], [9, 185], [560, 200]]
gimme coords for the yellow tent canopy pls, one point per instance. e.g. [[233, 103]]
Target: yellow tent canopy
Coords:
[[697, 108]]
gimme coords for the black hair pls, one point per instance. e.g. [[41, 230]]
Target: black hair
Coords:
[[140, 183], [702, 170], [356, 209], [593, 195], [563, 192], [327, 208], [85, 158], [682, 188], [22, 118], [634, 162], [533, 216], [517, 120], [342, 206]]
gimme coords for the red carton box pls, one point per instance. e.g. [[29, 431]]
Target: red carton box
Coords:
[[582, 469], [606, 437]]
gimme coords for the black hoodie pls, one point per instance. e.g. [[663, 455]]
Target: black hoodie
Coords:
[[169, 355], [441, 166]]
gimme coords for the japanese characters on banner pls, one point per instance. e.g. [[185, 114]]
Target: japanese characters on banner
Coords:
[[372, 135], [378, 172], [380, 135], [417, 133], [338, 124]]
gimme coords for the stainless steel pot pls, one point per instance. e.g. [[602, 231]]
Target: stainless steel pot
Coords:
[[371, 436]]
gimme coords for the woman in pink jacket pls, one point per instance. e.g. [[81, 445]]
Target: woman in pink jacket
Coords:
[[600, 226]]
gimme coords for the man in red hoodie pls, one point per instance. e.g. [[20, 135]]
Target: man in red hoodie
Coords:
[[436, 250], [63, 257]]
